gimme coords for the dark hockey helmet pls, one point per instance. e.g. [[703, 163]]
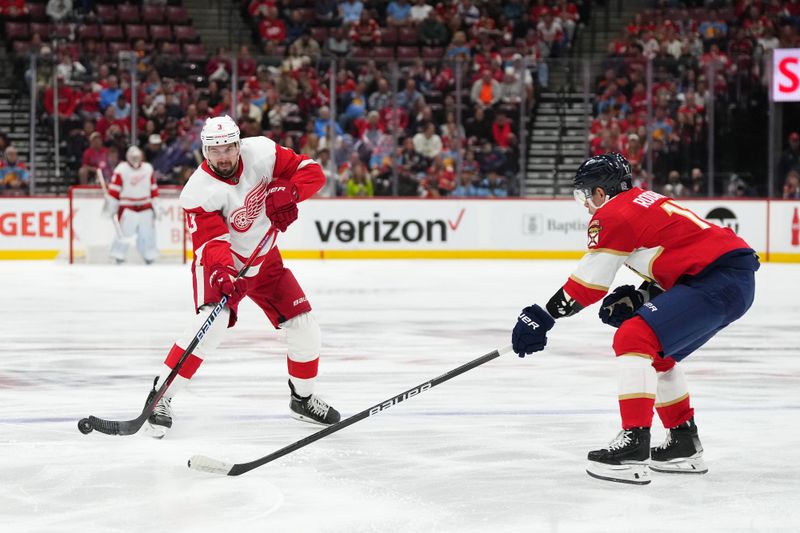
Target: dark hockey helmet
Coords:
[[610, 171]]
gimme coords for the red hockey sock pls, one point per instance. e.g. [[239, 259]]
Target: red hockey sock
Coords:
[[189, 366]]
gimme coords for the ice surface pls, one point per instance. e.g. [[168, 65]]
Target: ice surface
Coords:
[[498, 449]]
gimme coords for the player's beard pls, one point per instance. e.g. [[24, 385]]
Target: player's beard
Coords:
[[224, 173]]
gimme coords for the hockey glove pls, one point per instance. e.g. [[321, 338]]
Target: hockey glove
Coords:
[[621, 305], [530, 333], [223, 281], [281, 203]]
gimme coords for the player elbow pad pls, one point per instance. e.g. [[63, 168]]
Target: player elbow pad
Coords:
[[562, 305]]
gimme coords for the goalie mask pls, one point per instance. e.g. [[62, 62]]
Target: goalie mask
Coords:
[[134, 156], [610, 171], [220, 138]]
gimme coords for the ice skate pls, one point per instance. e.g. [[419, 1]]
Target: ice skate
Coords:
[[312, 409], [681, 452], [160, 420], [625, 458]]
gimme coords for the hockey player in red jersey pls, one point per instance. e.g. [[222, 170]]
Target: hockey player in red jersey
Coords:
[[133, 192], [241, 190], [700, 278]]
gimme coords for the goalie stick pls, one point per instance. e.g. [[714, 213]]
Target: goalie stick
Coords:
[[129, 427], [214, 466], [114, 216]]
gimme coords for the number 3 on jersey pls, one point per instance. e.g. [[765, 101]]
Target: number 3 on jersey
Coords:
[[675, 209], [191, 225]]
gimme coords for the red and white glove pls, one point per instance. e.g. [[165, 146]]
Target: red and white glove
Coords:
[[223, 281], [281, 203]]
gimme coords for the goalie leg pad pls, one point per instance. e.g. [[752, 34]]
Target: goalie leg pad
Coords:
[[304, 341]]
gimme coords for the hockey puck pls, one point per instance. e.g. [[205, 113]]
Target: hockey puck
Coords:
[[84, 426]]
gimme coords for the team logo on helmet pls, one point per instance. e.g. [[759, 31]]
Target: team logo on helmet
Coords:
[[594, 233], [243, 218]]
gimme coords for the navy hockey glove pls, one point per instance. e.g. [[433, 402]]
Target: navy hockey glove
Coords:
[[223, 280], [621, 305], [281, 203], [530, 333]]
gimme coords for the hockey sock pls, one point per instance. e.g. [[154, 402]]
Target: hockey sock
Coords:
[[211, 340], [635, 345], [302, 359], [672, 398]]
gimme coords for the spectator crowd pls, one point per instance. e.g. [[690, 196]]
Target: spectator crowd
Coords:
[[451, 108]]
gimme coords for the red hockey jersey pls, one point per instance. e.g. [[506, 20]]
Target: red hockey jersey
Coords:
[[652, 235]]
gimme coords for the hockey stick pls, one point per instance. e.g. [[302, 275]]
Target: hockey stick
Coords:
[[129, 427], [213, 466], [114, 216]]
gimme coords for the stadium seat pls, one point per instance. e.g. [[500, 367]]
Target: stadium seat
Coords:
[[361, 53], [160, 32], [115, 47], [136, 31], [17, 31], [389, 36], [60, 30], [74, 50], [89, 31], [37, 12], [308, 15], [319, 34], [431, 52], [407, 52], [407, 35], [42, 28], [111, 32], [177, 15], [106, 13], [128, 14], [185, 34], [171, 48], [20, 47], [194, 52], [383, 52], [152, 14]]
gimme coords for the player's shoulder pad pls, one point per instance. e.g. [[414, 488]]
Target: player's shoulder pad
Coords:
[[201, 190]]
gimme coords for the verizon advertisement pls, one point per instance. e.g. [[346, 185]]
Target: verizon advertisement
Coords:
[[38, 228], [445, 225]]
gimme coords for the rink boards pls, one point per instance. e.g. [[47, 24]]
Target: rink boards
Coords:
[[374, 228]]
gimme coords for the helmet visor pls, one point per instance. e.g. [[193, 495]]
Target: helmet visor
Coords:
[[581, 195]]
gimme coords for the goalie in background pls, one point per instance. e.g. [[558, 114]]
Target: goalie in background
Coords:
[[132, 206], [706, 280]]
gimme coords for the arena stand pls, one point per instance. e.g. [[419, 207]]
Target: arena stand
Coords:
[[474, 70], [433, 60]]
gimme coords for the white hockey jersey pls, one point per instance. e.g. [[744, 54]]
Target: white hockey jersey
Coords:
[[135, 188], [226, 216]]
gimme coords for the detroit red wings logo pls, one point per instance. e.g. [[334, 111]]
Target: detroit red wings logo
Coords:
[[243, 218]]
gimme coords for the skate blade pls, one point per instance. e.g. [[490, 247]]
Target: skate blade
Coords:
[[631, 473], [156, 432], [691, 465], [302, 418]]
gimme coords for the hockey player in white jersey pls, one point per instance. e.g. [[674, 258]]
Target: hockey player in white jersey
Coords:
[[241, 190], [133, 192]]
